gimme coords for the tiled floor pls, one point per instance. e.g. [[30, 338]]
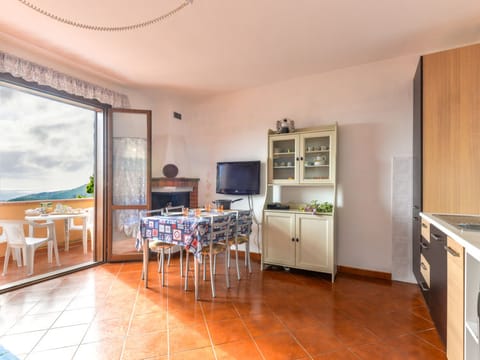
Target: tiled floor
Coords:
[[106, 313]]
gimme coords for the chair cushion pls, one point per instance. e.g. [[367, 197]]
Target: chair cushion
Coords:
[[157, 245], [241, 239], [217, 248]]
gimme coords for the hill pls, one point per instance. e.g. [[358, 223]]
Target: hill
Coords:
[[55, 195]]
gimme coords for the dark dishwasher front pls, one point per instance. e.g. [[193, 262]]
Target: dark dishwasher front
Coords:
[[437, 258]]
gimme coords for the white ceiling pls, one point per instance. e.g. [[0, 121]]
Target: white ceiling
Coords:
[[214, 46]]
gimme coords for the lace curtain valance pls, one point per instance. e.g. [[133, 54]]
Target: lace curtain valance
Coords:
[[42, 75]]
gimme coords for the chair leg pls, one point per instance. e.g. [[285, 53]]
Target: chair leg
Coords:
[[195, 266], [227, 271], [181, 261], [5, 262], [236, 259], [162, 254], [186, 269], [169, 255], [49, 251], [30, 256], [212, 274], [247, 256], [204, 268], [214, 264]]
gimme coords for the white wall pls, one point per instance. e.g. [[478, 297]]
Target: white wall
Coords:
[[372, 105]]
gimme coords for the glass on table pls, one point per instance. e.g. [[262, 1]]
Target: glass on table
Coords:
[[185, 211], [198, 212], [208, 207]]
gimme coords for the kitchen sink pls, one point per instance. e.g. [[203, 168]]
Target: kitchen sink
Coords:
[[462, 222], [469, 227]]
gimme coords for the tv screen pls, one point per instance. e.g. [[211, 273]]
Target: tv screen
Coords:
[[238, 178]]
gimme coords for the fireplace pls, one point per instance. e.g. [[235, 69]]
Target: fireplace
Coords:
[[174, 191]]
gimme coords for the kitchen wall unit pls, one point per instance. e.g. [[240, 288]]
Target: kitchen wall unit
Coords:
[[451, 129], [304, 161]]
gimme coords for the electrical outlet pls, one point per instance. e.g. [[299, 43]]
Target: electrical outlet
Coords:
[[177, 115]]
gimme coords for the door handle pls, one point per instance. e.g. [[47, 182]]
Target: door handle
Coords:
[[423, 245], [436, 237], [424, 286], [451, 251]]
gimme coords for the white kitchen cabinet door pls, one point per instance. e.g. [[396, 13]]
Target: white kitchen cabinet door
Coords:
[[315, 242], [278, 246]]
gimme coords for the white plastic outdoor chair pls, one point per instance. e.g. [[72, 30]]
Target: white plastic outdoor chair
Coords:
[[90, 229], [15, 235]]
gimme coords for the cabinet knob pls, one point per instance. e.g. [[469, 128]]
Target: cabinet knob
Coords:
[[293, 239], [297, 158], [296, 239], [301, 158], [435, 237], [424, 225], [423, 245]]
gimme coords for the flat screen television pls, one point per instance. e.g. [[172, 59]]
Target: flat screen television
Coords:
[[238, 178]]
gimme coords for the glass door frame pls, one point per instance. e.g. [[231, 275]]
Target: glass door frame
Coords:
[[111, 208]]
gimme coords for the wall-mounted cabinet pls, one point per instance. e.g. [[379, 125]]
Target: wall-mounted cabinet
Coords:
[[302, 158]]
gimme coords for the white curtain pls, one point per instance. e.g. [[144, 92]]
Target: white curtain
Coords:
[[130, 182], [42, 75]]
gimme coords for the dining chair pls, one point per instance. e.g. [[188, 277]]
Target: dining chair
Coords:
[[219, 228], [241, 235], [14, 233], [90, 221], [159, 247]]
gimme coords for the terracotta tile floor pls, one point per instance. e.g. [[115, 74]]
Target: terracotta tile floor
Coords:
[[106, 313]]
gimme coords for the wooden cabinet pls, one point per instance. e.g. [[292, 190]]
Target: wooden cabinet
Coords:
[[451, 128], [305, 157], [455, 300], [472, 299], [298, 240]]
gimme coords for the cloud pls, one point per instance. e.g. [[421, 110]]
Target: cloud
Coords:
[[49, 143]]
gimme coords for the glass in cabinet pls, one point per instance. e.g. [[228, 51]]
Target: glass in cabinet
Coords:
[[303, 158], [284, 159], [317, 157]]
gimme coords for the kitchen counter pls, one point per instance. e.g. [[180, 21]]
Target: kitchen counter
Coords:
[[469, 239]]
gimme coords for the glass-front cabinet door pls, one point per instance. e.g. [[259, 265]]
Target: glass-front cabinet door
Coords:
[[306, 158], [284, 157], [317, 155]]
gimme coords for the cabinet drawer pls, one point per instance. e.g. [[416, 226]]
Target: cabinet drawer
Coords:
[[425, 269], [426, 230]]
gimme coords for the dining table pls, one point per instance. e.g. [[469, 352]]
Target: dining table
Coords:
[[189, 230], [65, 217]]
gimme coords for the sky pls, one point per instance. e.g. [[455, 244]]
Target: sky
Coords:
[[45, 145]]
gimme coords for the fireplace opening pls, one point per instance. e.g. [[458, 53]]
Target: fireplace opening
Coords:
[[164, 199]]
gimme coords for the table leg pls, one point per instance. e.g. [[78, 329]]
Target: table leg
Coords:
[[195, 263], [145, 262], [67, 235], [55, 244], [84, 235]]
